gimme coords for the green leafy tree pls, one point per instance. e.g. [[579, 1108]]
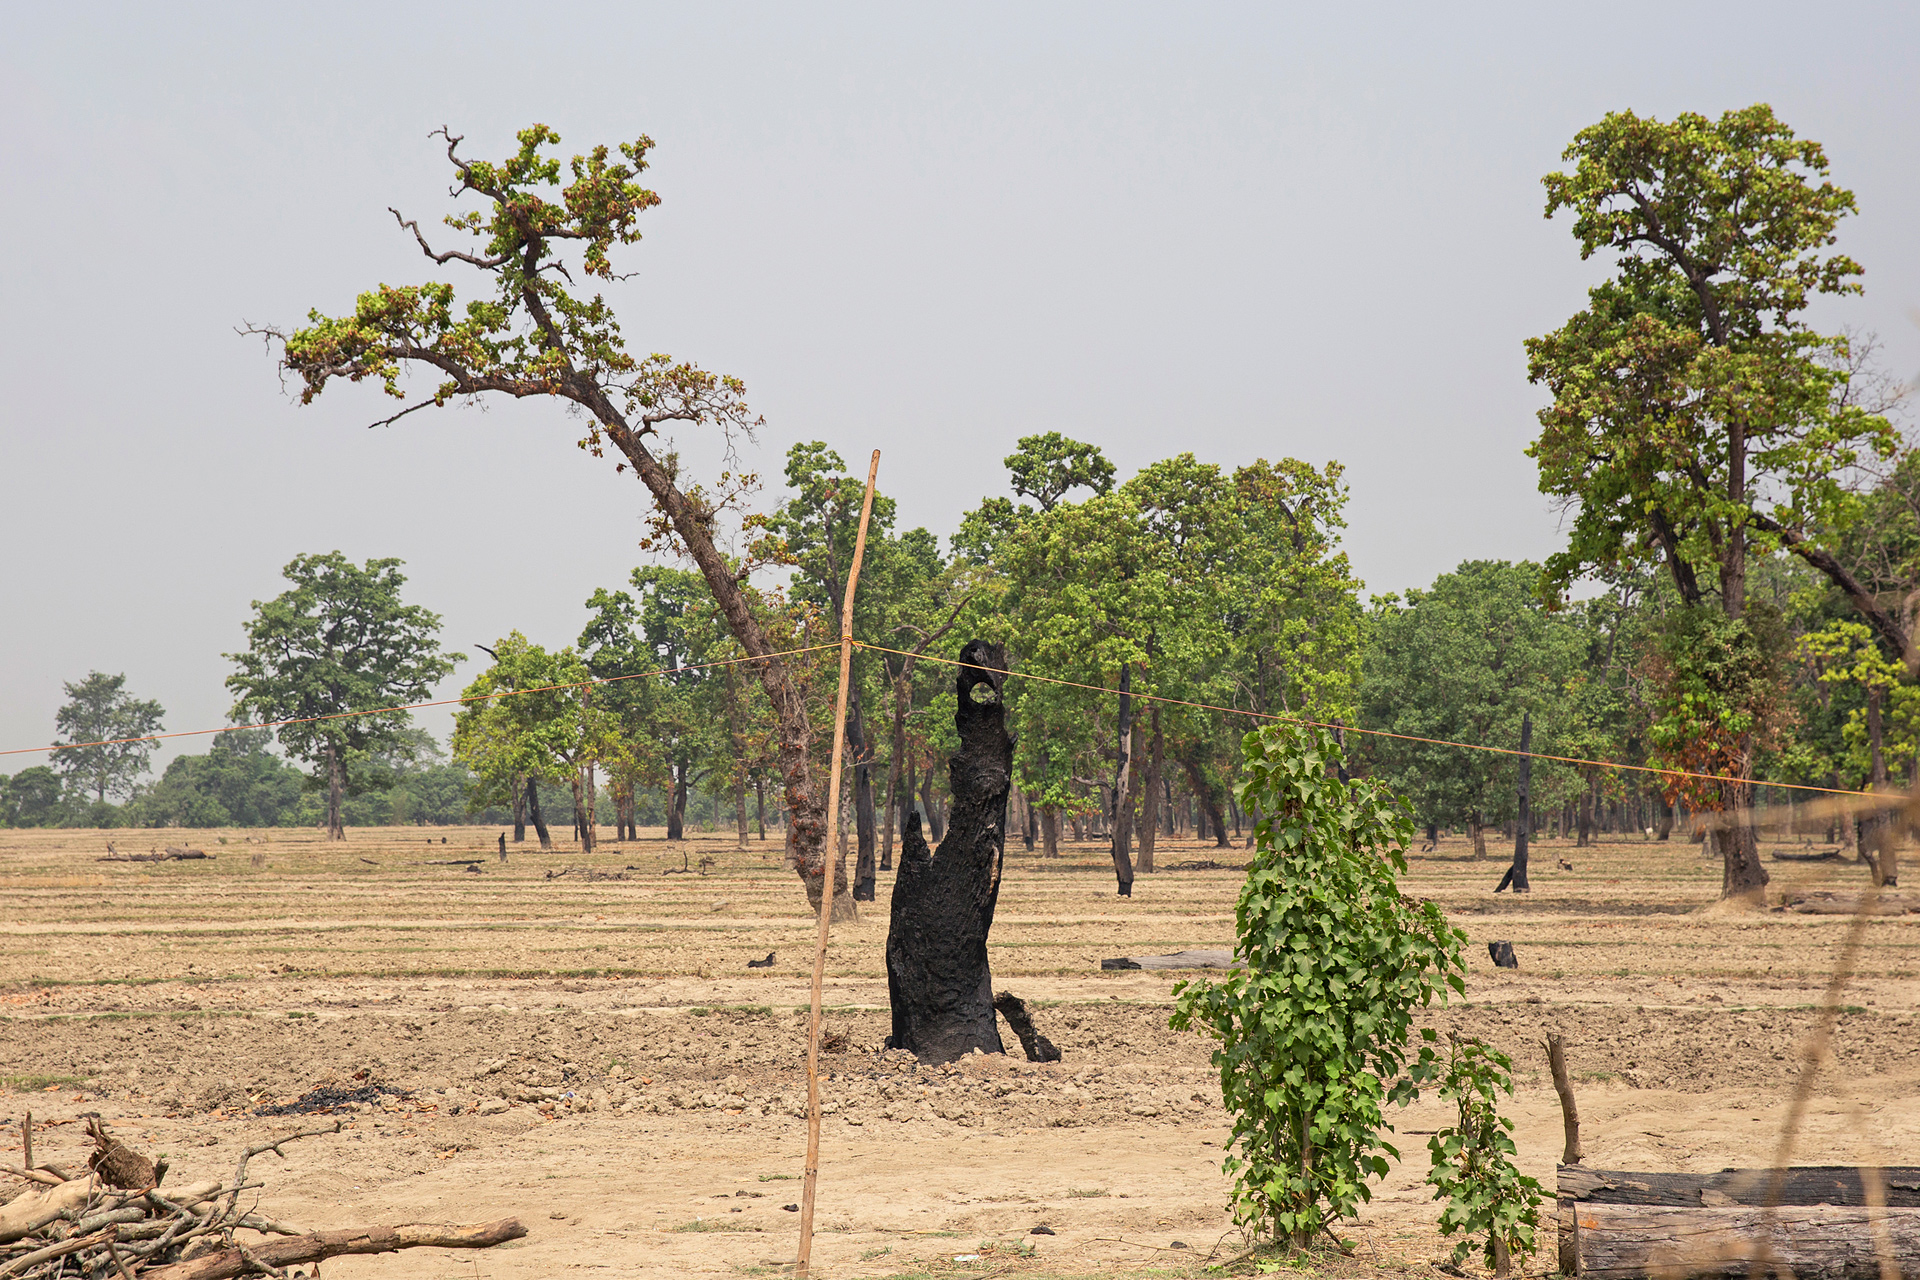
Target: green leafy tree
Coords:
[[1884, 725], [536, 714], [1464, 661], [32, 798], [1316, 1031], [534, 332], [238, 782], [1488, 1199], [329, 656], [1697, 419], [115, 727], [675, 726]]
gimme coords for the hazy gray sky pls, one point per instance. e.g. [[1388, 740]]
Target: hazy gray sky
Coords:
[[1243, 231]]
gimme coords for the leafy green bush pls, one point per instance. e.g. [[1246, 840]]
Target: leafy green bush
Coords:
[[1487, 1198], [1315, 1031]]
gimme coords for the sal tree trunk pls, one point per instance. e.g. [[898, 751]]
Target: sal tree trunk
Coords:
[[1123, 786], [861, 750], [336, 785], [1150, 796], [943, 901]]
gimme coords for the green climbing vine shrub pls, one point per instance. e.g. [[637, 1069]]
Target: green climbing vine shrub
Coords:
[[1315, 1030], [1488, 1199]]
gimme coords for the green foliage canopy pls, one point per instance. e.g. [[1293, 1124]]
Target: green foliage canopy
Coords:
[[100, 711]]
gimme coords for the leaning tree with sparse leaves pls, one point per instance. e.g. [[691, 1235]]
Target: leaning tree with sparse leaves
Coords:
[[541, 230]]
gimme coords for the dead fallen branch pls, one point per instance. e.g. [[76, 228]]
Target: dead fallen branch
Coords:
[[321, 1245], [172, 854], [88, 1226]]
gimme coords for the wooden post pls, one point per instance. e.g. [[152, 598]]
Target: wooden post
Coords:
[[1569, 1113], [812, 1181]]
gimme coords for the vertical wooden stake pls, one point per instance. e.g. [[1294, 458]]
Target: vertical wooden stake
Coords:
[[1563, 1085], [812, 1182], [26, 1140]]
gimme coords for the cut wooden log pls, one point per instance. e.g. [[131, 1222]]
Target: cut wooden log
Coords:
[[1627, 1242], [1813, 1185], [333, 1244], [1195, 959]]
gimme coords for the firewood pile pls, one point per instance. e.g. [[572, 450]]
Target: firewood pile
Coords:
[[121, 1218]]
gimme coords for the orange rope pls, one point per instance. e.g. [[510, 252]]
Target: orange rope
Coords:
[[951, 662], [1381, 733], [416, 706]]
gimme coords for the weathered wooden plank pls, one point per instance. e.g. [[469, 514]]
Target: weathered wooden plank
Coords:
[[1628, 1242], [1813, 1185]]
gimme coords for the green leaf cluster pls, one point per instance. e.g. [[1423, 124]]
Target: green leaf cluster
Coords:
[[1315, 1030]]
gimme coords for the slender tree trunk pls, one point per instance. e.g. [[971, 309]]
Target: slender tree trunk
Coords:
[[589, 819], [1150, 795], [533, 812], [1050, 830], [336, 785], [1123, 786], [934, 821], [1586, 814], [1517, 873], [1479, 834], [578, 785], [1877, 828], [677, 802], [518, 792], [860, 751], [1209, 804], [898, 759]]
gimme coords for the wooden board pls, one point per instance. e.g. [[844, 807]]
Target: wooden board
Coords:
[[1831, 1184], [1628, 1242]]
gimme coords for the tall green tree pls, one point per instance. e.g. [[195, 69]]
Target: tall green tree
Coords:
[[1697, 419], [1464, 661], [114, 726], [533, 331], [678, 724], [537, 714], [329, 655]]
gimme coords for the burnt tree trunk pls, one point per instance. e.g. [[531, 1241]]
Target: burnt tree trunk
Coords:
[[943, 901], [1517, 873]]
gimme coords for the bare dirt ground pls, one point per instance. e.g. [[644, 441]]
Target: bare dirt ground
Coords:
[[595, 1057]]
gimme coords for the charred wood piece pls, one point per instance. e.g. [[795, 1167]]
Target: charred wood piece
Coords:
[[1038, 1048]]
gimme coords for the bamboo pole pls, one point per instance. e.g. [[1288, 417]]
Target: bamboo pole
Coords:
[[812, 1181]]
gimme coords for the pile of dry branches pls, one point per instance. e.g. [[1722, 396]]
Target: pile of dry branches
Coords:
[[116, 1222]]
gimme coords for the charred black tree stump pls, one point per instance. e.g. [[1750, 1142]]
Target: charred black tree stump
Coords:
[[943, 901]]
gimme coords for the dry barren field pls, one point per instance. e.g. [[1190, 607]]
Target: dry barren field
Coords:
[[594, 1056]]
